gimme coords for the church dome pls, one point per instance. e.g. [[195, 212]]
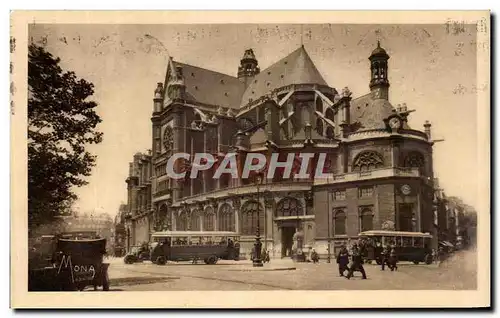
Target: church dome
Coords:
[[379, 51]]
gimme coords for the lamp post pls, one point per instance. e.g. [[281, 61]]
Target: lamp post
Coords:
[[267, 196], [257, 260], [328, 260]]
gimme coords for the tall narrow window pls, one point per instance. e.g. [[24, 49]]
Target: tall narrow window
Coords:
[[209, 219], [319, 126], [339, 220], [226, 218], [195, 221], [182, 221], [366, 219], [405, 217], [250, 211]]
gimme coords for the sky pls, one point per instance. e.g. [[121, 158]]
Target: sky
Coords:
[[432, 69]]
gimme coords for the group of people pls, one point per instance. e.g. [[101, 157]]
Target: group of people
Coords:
[[350, 262], [353, 261]]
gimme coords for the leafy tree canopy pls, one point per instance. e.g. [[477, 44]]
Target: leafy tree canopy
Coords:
[[61, 122]]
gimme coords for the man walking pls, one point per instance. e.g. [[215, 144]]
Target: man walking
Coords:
[[385, 257], [393, 260], [357, 263], [343, 260]]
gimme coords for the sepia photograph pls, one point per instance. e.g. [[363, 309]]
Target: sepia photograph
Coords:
[[322, 158]]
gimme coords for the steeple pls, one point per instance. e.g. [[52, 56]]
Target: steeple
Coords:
[[249, 67], [379, 83]]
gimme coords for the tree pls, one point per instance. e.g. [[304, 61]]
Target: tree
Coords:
[[61, 122]]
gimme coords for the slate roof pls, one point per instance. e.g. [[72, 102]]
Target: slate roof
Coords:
[[214, 88], [367, 113], [210, 87], [296, 68]]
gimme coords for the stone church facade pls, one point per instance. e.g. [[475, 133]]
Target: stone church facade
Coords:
[[382, 168]]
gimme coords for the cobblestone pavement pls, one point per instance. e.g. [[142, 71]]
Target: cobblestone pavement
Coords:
[[458, 273]]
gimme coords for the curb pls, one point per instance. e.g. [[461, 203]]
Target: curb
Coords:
[[140, 280], [263, 269]]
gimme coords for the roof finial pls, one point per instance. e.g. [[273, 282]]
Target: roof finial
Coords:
[[378, 43]]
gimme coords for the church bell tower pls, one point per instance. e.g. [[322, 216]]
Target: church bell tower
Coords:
[[249, 67], [379, 83]]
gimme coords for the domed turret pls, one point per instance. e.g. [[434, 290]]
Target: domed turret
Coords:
[[379, 83], [248, 66]]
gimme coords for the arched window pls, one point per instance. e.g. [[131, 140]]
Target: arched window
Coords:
[[209, 219], [367, 160], [330, 114], [339, 219], [366, 216], [330, 133], [163, 222], [319, 104], [195, 220], [415, 160], [289, 207], [319, 126], [182, 221], [226, 218], [250, 211], [376, 67]]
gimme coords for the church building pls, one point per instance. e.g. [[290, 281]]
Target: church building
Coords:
[[382, 168]]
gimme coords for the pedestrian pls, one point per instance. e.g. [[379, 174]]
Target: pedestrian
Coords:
[[343, 260], [267, 258], [314, 256], [434, 256], [384, 255], [393, 260], [357, 263]]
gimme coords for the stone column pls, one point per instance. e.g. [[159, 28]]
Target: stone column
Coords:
[[178, 146], [269, 220], [236, 208]]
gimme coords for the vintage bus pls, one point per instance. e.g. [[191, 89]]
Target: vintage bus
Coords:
[[410, 246], [209, 246]]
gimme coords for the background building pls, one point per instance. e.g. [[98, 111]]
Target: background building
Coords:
[[138, 218], [383, 170], [120, 231], [101, 223]]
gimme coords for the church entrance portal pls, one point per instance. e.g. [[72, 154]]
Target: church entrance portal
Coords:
[[287, 233]]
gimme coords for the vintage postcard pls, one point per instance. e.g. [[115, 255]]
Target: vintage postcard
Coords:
[[250, 159]]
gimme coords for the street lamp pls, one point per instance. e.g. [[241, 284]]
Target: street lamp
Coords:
[[257, 260], [267, 196], [328, 260]]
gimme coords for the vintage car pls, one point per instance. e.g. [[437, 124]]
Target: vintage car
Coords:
[[74, 265], [137, 254]]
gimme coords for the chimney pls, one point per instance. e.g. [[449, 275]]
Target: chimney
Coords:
[[427, 129]]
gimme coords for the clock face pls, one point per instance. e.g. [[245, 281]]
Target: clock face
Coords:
[[405, 189], [394, 122]]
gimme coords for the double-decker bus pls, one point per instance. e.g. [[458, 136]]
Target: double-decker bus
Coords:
[[209, 246]]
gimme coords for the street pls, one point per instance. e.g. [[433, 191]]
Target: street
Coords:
[[457, 273]]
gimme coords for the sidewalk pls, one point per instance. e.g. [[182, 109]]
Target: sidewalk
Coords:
[[274, 265], [243, 265]]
